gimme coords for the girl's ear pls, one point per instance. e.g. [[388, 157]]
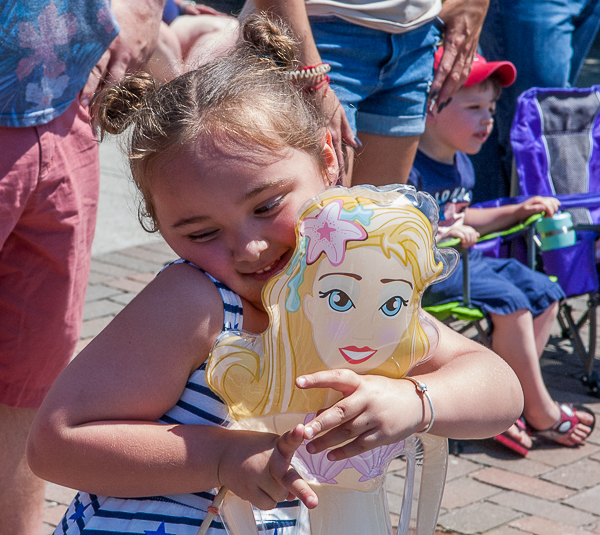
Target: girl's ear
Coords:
[[330, 159]]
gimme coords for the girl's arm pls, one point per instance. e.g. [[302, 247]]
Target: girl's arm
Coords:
[[486, 220], [475, 394], [96, 429]]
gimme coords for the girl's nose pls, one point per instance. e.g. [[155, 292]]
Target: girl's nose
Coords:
[[250, 250]]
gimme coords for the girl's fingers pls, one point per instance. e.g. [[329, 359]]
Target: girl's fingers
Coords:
[[263, 500], [344, 381], [335, 435], [366, 441], [299, 488], [289, 442]]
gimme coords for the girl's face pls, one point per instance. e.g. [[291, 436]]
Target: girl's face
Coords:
[[233, 212], [360, 309]]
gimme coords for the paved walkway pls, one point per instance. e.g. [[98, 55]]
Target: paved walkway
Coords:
[[554, 491]]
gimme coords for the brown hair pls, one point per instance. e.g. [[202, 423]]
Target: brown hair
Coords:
[[242, 98], [493, 81]]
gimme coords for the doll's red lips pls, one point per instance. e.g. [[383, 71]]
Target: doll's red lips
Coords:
[[356, 355]]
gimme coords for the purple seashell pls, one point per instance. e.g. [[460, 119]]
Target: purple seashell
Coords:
[[316, 466], [372, 463]]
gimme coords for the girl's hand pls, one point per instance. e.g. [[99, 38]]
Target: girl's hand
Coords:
[[538, 204], [256, 467], [375, 411], [468, 235]]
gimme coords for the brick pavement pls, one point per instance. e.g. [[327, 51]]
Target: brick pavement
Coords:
[[554, 491]]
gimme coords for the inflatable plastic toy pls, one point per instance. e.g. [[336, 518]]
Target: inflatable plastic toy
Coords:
[[349, 298]]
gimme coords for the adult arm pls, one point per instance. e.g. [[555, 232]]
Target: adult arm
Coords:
[[463, 20], [486, 220], [139, 23], [293, 12]]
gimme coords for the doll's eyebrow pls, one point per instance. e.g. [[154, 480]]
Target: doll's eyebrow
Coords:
[[385, 281], [353, 275]]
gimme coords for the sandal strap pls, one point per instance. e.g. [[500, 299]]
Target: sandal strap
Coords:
[[567, 420]]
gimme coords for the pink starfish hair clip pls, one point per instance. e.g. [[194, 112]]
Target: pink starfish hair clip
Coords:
[[328, 234]]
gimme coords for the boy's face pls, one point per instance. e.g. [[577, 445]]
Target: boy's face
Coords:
[[466, 122]]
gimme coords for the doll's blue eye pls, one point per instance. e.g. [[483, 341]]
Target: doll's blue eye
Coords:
[[337, 300], [392, 306]]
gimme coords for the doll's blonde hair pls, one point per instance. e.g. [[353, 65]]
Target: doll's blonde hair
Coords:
[[253, 385]]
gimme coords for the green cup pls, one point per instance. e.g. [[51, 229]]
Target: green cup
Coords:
[[555, 232]]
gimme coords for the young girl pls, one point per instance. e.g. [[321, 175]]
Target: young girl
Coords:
[[224, 157]]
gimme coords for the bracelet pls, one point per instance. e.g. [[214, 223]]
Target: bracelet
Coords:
[[310, 73], [422, 388]]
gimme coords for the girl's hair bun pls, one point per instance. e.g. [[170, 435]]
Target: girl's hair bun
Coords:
[[269, 38], [115, 106]]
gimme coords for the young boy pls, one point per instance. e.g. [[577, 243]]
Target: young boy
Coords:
[[521, 303]]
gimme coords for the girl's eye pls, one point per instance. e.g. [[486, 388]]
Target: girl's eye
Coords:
[[203, 236], [392, 306], [265, 208], [337, 300]]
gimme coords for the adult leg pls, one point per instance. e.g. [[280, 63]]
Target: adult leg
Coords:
[[537, 36], [21, 492], [50, 178], [586, 28], [384, 160]]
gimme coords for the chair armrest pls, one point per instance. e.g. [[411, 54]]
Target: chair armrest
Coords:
[[454, 242]]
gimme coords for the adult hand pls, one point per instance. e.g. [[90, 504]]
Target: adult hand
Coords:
[[375, 411], [340, 130], [139, 23], [463, 20]]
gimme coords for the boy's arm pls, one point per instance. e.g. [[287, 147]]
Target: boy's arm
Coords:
[[486, 220]]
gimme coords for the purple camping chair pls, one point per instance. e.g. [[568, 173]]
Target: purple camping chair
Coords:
[[555, 138]]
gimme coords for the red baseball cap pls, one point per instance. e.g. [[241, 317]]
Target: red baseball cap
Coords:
[[482, 69]]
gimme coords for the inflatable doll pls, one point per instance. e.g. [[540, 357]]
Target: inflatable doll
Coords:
[[349, 298]]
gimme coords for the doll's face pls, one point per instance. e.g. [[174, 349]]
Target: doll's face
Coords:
[[360, 309]]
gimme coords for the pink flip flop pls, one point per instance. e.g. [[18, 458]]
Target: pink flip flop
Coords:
[[566, 423], [506, 440]]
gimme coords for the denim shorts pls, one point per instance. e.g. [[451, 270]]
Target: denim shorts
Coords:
[[381, 79]]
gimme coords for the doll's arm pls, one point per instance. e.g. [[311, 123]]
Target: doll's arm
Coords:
[[475, 394], [96, 429]]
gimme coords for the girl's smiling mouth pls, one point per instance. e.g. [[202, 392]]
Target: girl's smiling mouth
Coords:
[[271, 269], [356, 355]]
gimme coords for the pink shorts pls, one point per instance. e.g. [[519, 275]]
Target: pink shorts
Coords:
[[49, 184]]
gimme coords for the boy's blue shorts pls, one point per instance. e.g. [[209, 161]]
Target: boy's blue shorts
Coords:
[[381, 79], [498, 286]]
